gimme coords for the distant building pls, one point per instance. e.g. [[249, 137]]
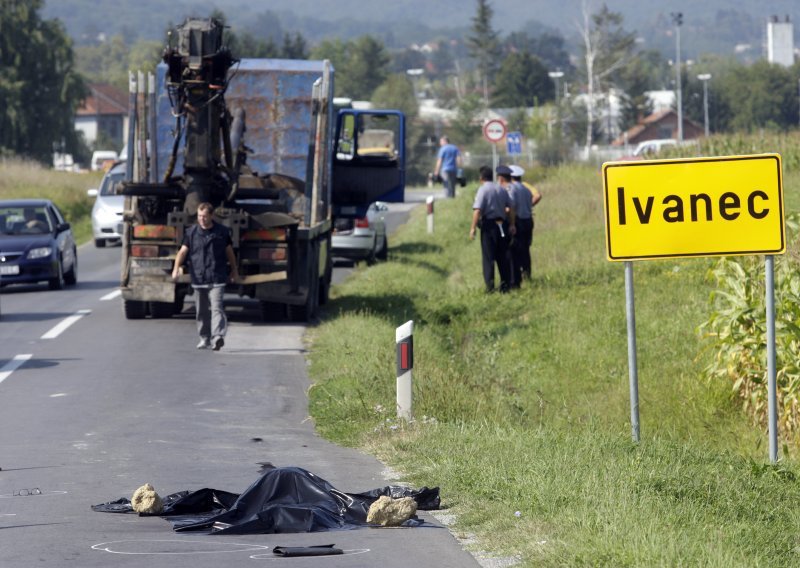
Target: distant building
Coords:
[[780, 42], [659, 125], [105, 112]]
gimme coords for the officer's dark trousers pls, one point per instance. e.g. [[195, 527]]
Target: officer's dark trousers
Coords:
[[521, 251], [494, 250]]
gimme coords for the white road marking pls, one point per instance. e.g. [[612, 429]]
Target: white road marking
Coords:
[[13, 365], [65, 323], [111, 295]]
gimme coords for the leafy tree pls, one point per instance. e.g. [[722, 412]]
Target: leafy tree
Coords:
[[464, 128], [522, 82], [397, 92], [294, 46], [484, 45], [549, 47], [643, 73], [39, 87], [761, 95], [361, 65]]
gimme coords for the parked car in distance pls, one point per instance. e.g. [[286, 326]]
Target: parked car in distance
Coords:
[[363, 238], [107, 209], [36, 244], [103, 159]]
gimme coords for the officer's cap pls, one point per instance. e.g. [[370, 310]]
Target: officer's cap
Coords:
[[503, 171], [516, 171]]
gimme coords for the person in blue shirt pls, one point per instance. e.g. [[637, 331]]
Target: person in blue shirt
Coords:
[[448, 160]]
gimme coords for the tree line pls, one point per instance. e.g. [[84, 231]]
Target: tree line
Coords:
[[44, 77]]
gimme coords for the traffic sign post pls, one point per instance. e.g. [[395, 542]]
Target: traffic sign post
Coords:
[[696, 207], [494, 131], [514, 143]]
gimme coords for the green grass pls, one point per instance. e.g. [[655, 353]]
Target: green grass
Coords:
[[22, 179], [522, 403]]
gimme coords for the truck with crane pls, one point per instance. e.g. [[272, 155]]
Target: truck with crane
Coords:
[[261, 140]]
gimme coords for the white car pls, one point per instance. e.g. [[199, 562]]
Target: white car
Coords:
[[107, 209], [363, 238]]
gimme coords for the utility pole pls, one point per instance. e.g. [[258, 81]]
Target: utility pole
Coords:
[[677, 17]]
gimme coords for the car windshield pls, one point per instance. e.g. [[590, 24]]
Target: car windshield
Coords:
[[110, 183], [24, 221]]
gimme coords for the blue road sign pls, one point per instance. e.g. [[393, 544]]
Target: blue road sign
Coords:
[[514, 143]]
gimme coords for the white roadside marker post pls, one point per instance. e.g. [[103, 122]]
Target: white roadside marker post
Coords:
[[405, 363], [429, 205]]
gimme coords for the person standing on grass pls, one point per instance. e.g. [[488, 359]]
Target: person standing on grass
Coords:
[[525, 198], [493, 209], [210, 250], [448, 160]]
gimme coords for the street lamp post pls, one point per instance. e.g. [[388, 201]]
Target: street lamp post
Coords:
[[677, 17], [704, 77]]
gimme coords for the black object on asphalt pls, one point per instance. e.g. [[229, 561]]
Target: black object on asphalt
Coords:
[[282, 500], [317, 550]]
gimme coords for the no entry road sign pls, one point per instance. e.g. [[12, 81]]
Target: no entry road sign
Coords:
[[494, 130], [731, 205]]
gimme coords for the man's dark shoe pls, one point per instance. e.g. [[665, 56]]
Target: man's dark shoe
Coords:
[[218, 343]]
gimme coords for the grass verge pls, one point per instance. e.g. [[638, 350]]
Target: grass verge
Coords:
[[522, 405]]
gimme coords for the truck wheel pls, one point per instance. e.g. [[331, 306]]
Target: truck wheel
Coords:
[[134, 309], [272, 311], [306, 312], [162, 310]]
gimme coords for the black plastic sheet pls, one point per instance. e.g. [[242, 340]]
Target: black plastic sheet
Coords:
[[318, 550], [282, 500]]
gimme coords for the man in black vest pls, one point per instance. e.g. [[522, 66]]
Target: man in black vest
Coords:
[[210, 250]]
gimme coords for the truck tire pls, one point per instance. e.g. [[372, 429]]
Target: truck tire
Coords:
[[134, 309], [162, 310], [271, 311], [305, 312]]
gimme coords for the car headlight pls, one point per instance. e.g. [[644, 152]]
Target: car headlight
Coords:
[[41, 252]]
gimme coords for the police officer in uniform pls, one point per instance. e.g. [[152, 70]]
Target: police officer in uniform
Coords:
[[524, 201], [493, 209]]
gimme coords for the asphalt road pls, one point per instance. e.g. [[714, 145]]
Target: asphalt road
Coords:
[[93, 406]]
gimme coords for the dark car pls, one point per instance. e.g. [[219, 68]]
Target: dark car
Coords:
[[36, 244]]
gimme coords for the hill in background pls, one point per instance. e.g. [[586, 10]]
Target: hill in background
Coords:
[[712, 26]]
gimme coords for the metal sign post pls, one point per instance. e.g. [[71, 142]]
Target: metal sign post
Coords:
[[633, 368], [494, 131], [696, 207]]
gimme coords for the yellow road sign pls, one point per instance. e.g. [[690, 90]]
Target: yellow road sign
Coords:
[[730, 205]]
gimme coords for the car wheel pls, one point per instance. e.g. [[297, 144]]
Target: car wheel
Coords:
[[134, 309], [383, 254], [100, 243], [71, 277], [57, 282]]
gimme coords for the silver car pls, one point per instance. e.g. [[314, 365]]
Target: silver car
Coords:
[[107, 209], [363, 238]]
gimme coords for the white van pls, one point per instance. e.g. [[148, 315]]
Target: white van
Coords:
[[102, 157]]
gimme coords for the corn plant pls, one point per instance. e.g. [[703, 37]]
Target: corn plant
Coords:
[[736, 332]]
